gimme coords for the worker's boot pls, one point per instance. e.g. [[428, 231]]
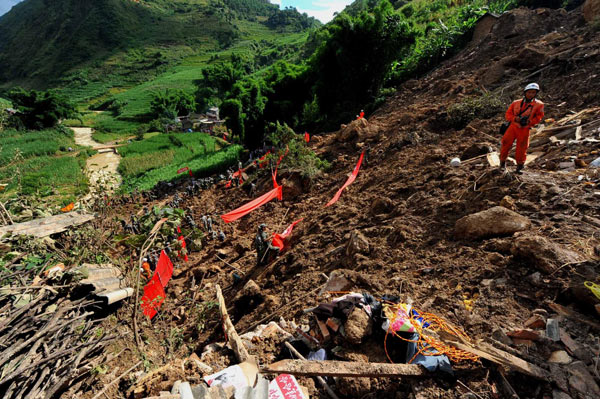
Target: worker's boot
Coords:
[[519, 170], [502, 166]]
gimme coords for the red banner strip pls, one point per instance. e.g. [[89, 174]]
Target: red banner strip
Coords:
[[350, 180], [279, 239], [252, 205]]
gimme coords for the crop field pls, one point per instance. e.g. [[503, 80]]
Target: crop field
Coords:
[[157, 158], [36, 163]]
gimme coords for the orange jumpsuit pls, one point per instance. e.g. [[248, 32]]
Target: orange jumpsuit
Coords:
[[535, 111]]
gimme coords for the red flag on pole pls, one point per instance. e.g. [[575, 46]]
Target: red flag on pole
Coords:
[[350, 180], [306, 137], [154, 296]]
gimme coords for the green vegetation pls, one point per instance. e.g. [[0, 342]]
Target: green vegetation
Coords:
[[40, 110], [37, 163], [157, 158], [483, 107]]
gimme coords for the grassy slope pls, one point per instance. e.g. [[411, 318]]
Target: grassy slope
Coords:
[[157, 158], [37, 163]]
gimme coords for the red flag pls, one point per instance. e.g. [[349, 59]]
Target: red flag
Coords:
[[306, 137], [164, 268], [252, 205], [183, 170], [350, 180], [154, 296], [279, 239]]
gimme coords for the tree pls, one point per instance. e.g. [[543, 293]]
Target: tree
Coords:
[[171, 103], [40, 109], [350, 66], [231, 110]]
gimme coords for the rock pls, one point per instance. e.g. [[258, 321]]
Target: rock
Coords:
[[199, 391], [582, 381], [535, 279], [544, 254], [358, 244], [499, 335], [175, 389], [527, 57], [357, 129], [476, 150], [556, 394], [535, 322], [560, 357], [358, 326], [381, 206], [591, 10], [294, 185], [496, 221], [251, 289], [508, 202]]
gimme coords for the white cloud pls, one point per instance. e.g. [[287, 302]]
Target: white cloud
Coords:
[[278, 2]]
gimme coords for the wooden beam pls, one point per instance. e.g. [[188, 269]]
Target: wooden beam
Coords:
[[47, 226], [241, 353], [502, 358], [334, 368]]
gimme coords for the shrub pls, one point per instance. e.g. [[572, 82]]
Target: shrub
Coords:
[[300, 156], [486, 106]]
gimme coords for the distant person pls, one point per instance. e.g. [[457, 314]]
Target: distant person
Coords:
[[523, 115]]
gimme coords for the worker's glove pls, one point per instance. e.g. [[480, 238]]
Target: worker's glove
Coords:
[[524, 121]]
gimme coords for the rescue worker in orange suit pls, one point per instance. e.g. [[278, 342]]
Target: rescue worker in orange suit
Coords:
[[522, 115]]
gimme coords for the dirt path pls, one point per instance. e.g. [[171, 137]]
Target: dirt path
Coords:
[[102, 167]]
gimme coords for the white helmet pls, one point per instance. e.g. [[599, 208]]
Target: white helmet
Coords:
[[532, 86]]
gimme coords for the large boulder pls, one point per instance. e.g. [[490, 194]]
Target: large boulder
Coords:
[[357, 129], [591, 10], [543, 253], [494, 222]]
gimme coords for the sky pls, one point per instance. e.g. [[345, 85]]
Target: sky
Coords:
[[321, 9], [6, 5]]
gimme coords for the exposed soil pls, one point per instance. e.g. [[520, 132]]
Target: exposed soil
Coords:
[[405, 202]]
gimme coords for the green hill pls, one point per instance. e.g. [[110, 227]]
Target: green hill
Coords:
[[43, 41]]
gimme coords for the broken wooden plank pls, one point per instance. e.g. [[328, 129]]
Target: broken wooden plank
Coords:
[[235, 341], [573, 315], [334, 368], [502, 358], [46, 226]]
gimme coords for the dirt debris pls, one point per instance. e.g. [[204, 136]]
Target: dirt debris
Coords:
[[394, 228]]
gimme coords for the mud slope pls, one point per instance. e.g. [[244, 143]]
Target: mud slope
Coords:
[[405, 204]]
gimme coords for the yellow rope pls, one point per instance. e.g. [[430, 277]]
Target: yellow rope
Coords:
[[426, 344]]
